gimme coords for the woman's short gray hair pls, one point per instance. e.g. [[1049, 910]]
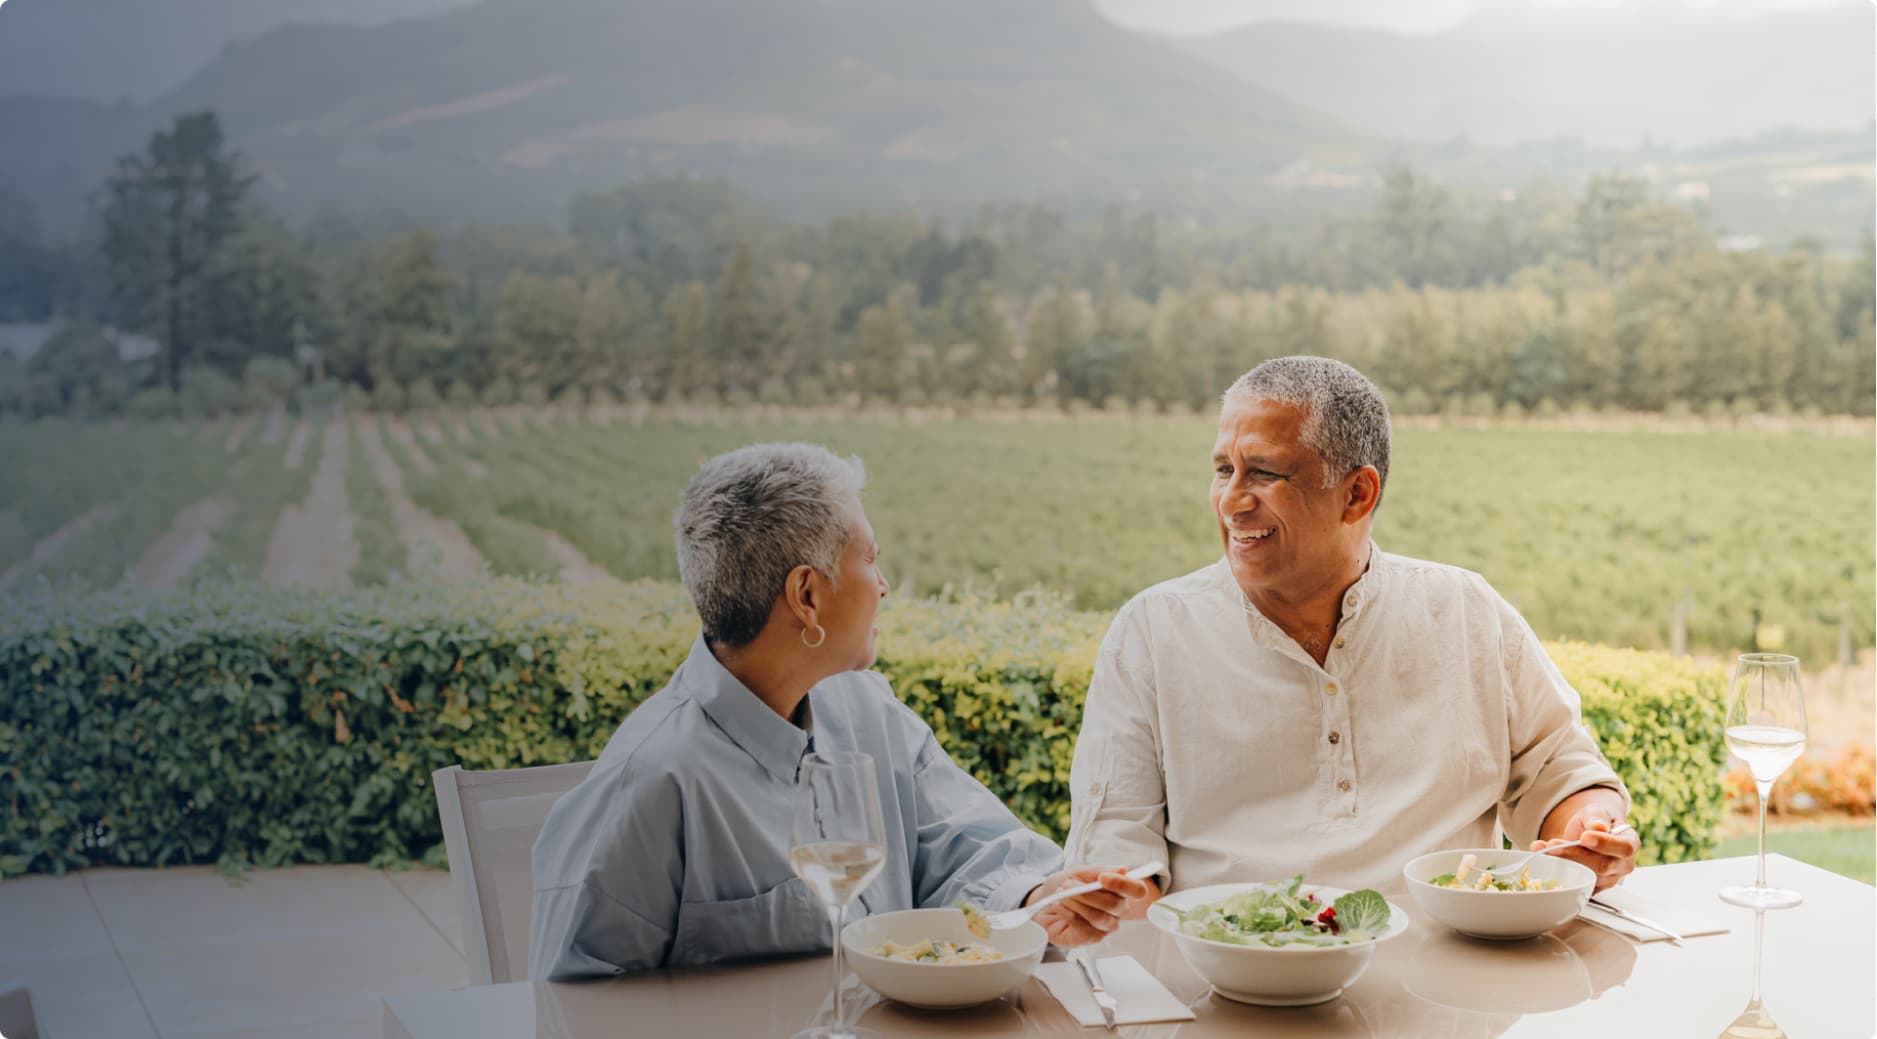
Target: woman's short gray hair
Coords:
[[752, 515], [1345, 419]]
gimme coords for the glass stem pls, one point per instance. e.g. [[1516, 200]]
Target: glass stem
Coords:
[[1759, 932], [1766, 791], [835, 914]]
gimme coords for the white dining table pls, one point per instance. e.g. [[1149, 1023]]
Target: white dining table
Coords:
[[1818, 977]]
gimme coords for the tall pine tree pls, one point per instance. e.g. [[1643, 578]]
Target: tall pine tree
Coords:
[[168, 212]]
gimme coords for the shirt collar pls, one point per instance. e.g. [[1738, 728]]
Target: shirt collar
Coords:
[[775, 743], [1360, 596], [1367, 590]]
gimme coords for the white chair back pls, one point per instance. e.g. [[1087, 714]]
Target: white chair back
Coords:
[[490, 822], [16, 1013]]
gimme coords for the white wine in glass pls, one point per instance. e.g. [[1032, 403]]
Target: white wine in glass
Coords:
[[836, 871], [837, 847], [1766, 730]]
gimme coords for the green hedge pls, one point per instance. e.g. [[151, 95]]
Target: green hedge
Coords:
[[263, 726]]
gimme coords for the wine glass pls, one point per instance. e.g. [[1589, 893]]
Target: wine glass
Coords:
[[1754, 1022], [1765, 729], [837, 847]]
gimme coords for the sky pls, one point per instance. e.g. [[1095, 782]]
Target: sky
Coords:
[[1195, 17]]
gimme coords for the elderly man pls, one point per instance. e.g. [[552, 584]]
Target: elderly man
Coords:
[[675, 849], [1311, 703]]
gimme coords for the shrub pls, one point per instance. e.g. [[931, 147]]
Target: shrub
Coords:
[[387, 395], [774, 390], [319, 397], [208, 393], [113, 393], [268, 726], [268, 381], [499, 392], [423, 395], [83, 403], [460, 394], [154, 403], [1658, 719], [1841, 782]]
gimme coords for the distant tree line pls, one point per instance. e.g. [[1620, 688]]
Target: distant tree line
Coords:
[[685, 290]]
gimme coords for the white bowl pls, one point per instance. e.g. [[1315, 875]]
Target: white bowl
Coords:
[[940, 986], [1286, 976], [1500, 915]]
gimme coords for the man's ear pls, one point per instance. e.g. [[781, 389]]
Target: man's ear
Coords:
[[1363, 494]]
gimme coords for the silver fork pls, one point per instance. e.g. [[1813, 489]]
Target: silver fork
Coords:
[[1512, 868]]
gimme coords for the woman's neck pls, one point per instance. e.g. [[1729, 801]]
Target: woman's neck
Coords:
[[778, 674]]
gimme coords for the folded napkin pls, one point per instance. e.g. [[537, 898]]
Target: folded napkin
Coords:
[[1139, 997], [1683, 922]]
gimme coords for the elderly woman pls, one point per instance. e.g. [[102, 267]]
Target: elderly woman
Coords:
[[675, 849]]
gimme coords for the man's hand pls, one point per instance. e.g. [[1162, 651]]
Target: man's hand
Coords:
[[1591, 815], [1093, 916]]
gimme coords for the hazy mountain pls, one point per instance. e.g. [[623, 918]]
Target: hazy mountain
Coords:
[[1610, 75], [505, 106], [107, 50]]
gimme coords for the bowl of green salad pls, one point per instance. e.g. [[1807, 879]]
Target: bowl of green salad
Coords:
[[1284, 943]]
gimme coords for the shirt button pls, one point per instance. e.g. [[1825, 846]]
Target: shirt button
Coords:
[[1343, 785], [1330, 689], [1336, 737], [1352, 601], [1339, 642]]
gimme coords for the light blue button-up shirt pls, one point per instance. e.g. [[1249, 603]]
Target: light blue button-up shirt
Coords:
[[674, 850]]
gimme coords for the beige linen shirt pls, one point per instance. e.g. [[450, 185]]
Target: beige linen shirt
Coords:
[[1213, 742]]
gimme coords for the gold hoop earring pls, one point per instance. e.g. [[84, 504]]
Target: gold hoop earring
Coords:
[[823, 637]]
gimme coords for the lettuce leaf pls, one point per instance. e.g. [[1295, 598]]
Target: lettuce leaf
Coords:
[[1362, 914]]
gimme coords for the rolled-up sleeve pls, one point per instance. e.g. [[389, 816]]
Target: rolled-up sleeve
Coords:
[[1118, 814], [968, 843], [1553, 755], [608, 875]]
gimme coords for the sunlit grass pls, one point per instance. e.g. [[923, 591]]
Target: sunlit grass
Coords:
[[1845, 850]]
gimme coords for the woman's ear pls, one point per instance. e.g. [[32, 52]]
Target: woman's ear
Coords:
[[799, 591]]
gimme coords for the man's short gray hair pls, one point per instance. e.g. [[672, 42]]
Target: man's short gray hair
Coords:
[[752, 515], [1345, 418]]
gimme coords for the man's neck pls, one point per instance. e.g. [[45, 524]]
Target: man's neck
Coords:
[[1311, 617]]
